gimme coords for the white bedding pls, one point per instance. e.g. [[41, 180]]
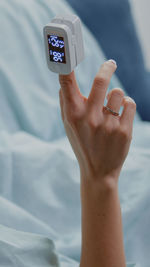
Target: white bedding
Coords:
[[40, 220]]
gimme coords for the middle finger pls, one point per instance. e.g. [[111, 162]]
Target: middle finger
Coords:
[[100, 84]]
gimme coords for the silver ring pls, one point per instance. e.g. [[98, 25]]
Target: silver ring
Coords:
[[113, 112]]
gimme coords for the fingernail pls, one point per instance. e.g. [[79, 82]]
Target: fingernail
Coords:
[[130, 99], [113, 61]]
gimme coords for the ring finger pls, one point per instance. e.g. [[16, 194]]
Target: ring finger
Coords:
[[115, 98]]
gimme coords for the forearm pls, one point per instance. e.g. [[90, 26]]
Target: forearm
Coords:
[[102, 233]]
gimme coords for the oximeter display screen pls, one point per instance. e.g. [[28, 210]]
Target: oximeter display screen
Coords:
[[56, 48]]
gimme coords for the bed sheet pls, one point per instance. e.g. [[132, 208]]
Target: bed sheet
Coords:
[[40, 222]]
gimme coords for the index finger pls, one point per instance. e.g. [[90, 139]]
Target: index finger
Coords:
[[69, 86], [101, 83]]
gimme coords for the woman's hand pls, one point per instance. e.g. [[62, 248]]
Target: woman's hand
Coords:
[[101, 143], [99, 139]]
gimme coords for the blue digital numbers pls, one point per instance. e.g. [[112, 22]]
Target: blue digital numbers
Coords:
[[55, 41], [56, 48], [57, 56]]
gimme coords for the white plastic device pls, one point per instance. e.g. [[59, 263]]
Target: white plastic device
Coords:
[[63, 43]]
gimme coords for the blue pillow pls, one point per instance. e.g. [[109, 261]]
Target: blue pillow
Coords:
[[112, 24]]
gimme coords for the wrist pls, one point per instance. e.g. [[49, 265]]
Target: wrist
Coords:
[[101, 223], [103, 184]]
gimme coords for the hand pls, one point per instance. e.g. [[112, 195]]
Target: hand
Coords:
[[99, 139]]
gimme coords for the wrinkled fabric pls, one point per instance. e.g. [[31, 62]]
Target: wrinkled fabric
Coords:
[[40, 210]]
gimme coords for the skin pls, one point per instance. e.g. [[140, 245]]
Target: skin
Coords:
[[101, 143]]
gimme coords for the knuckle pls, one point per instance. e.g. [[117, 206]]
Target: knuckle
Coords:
[[65, 82], [118, 92], [133, 105], [100, 81], [73, 118], [93, 123], [108, 128], [124, 133]]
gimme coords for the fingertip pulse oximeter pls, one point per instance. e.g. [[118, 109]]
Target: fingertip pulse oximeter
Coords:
[[64, 46]]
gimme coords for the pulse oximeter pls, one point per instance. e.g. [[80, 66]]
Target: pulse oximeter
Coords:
[[63, 43]]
